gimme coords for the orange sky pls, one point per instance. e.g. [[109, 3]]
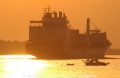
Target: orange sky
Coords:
[[16, 14]]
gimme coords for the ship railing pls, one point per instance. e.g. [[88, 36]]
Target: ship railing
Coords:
[[34, 23]]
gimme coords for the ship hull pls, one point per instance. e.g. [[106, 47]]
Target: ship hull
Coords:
[[60, 51]]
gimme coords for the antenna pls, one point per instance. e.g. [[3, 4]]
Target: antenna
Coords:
[[48, 8], [63, 8]]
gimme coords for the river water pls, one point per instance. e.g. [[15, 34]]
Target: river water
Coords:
[[21, 67]]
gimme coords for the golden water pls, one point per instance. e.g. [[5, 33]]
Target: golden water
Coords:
[[23, 67]]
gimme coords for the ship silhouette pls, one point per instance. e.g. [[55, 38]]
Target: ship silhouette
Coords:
[[53, 38]]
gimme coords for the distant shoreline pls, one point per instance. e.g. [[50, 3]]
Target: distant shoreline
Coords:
[[113, 52], [12, 47]]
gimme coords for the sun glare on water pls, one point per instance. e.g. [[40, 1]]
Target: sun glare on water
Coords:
[[20, 66]]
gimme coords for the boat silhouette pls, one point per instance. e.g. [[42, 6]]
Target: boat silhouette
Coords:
[[69, 64], [94, 62]]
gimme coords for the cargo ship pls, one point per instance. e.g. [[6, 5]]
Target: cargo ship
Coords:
[[53, 38]]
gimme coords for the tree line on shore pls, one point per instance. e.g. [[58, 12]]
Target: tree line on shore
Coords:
[[12, 47]]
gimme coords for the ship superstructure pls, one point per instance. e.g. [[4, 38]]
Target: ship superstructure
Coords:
[[52, 37]]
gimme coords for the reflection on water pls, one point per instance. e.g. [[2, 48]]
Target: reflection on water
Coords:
[[21, 67]]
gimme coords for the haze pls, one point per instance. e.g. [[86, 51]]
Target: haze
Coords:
[[16, 14]]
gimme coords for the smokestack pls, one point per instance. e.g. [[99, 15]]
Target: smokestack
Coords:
[[55, 14], [60, 14]]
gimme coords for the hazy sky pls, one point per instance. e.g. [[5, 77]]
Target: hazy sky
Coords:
[[16, 14]]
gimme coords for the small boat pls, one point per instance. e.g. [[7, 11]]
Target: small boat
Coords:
[[70, 64], [95, 62]]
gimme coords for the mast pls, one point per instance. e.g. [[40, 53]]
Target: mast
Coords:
[[88, 31]]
